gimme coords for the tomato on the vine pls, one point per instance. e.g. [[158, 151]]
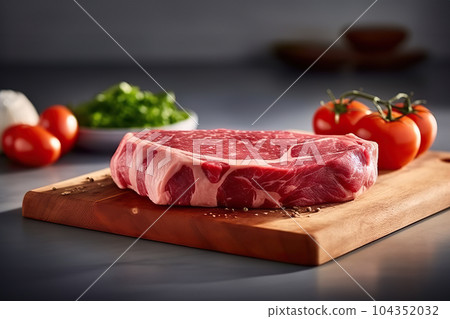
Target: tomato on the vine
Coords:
[[335, 118], [61, 122], [30, 145], [426, 122], [398, 139]]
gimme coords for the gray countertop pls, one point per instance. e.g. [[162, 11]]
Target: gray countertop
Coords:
[[43, 261]]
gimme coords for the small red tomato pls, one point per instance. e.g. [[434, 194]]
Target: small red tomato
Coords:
[[334, 118], [398, 140], [426, 122], [9, 138], [61, 122], [30, 145]]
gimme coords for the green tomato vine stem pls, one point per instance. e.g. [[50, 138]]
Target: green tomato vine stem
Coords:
[[379, 103]]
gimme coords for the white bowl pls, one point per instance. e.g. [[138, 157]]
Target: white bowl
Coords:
[[107, 139]]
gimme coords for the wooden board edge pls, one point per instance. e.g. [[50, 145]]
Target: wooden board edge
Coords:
[[388, 227], [247, 245], [95, 174]]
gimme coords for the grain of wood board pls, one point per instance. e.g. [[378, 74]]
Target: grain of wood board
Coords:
[[398, 199]]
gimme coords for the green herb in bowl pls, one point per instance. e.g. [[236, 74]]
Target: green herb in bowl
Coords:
[[126, 106]]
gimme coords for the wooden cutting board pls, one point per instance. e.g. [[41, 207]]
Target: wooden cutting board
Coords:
[[399, 198]]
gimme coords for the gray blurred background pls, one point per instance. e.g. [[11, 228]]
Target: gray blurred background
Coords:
[[198, 31]]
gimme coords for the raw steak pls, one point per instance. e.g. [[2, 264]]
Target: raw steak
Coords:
[[233, 168]]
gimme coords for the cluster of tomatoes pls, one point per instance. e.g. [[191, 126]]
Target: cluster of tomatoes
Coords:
[[42, 144], [402, 129]]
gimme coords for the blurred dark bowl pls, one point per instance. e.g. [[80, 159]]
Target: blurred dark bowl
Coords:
[[366, 39]]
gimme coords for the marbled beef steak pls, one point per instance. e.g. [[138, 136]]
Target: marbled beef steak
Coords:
[[234, 168]]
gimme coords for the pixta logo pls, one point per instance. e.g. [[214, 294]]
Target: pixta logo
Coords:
[[148, 151]]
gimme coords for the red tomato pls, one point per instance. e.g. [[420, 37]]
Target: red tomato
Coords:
[[398, 140], [427, 124], [9, 138], [61, 122], [334, 118], [30, 145]]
